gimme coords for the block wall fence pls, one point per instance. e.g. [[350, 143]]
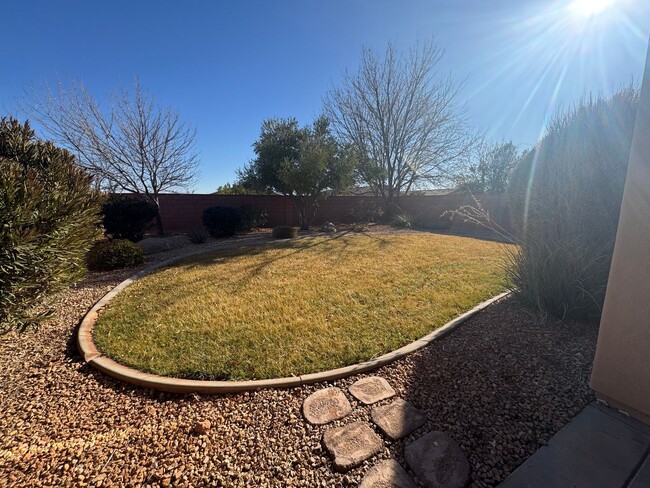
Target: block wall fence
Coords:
[[183, 212]]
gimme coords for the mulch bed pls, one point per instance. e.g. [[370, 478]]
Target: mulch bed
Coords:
[[501, 385]]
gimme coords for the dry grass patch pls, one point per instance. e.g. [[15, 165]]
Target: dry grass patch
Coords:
[[296, 307]]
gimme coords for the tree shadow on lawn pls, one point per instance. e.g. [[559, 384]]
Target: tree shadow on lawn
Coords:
[[298, 246]]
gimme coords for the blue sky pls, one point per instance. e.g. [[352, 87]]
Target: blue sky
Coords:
[[226, 66]]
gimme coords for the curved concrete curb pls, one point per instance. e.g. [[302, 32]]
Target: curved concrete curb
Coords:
[[95, 358]]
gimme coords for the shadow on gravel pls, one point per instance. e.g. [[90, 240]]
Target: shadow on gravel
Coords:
[[500, 385]]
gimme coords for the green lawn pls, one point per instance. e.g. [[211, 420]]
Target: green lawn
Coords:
[[296, 307]]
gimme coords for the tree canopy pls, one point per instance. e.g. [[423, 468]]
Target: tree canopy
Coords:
[[304, 163]]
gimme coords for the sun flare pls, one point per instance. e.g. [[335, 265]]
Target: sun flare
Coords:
[[590, 8]]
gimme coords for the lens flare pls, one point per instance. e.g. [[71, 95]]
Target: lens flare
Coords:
[[590, 8]]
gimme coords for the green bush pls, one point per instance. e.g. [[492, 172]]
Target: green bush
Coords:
[[49, 218], [285, 232], [221, 221], [565, 200], [126, 218], [115, 254], [252, 218]]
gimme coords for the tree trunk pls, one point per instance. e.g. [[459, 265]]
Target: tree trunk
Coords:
[[159, 222]]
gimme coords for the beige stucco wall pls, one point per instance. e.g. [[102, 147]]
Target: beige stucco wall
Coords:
[[621, 373]]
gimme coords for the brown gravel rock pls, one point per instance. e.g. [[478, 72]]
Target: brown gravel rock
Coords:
[[324, 406], [371, 389], [202, 427], [501, 385], [351, 444], [398, 419]]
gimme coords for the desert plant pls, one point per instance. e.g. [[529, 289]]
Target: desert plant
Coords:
[[365, 210], [126, 218], [221, 221], [49, 216], [197, 236], [115, 254], [565, 198], [252, 218], [285, 232]]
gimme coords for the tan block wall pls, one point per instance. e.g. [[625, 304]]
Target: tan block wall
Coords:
[[621, 373]]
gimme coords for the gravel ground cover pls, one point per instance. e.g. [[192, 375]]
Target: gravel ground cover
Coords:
[[501, 385]]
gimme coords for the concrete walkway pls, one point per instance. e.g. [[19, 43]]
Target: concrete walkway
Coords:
[[599, 448]]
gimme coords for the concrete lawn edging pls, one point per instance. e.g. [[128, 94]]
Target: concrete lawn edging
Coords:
[[95, 358]]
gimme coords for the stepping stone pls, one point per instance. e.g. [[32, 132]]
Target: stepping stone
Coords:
[[398, 419], [438, 461], [351, 444], [326, 405], [387, 474], [371, 390]]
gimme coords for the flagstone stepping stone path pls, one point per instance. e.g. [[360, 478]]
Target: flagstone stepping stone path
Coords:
[[371, 390], [387, 474], [438, 461], [398, 419], [352, 444], [326, 405], [435, 458]]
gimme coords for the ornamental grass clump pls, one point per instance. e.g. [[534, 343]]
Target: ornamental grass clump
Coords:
[[49, 218], [565, 198]]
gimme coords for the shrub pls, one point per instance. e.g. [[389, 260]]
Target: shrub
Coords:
[[126, 218], [252, 218], [49, 217], [285, 232], [197, 236], [565, 198], [366, 210], [221, 221], [115, 254]]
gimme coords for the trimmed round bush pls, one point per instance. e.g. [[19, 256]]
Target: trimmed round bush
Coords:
[[285, 232], [221, 221], [49, 218], [115, 254], [127, 218], [565, 198]]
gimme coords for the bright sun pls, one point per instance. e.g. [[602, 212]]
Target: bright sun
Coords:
[[589, 8]]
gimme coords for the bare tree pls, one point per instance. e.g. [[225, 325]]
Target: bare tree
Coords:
[[403, 119], [133, 146]]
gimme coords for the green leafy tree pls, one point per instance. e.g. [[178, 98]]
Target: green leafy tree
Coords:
[[235, 189], [49, 218], [304, 163], [490, 171]]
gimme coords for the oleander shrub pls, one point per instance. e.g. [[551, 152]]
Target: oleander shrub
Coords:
[[285, 232], [221, 221], [197, 236], [565, 201], [114, 254], [252, 218], [49, 218], [127, 218]]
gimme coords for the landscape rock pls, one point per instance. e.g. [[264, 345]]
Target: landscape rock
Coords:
[[351, 444], [398, 418], [387, 474], [438, 461], [371, 389], [325, 406], [202, 426], [328, 227]]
